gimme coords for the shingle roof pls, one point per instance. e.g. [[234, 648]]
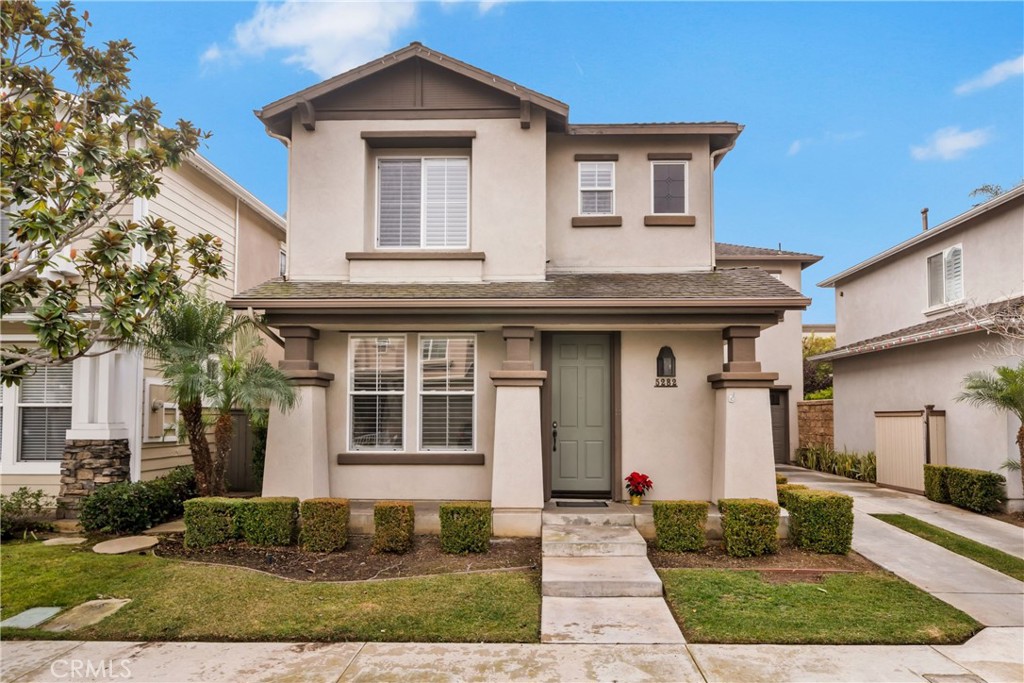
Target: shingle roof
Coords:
[[965, 321], [726, 251]]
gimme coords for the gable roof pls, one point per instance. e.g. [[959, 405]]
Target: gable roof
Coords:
[[1015, 194], [739, 252]]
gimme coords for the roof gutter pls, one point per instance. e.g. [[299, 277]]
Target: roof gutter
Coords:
[[428, 304]]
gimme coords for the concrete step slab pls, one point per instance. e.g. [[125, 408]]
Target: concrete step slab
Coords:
[[86, 614], [608, 620], [125, 544], [600, 577], [592, 541], [576, 517], [30, 618]]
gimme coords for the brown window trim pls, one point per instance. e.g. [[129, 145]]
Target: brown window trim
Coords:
[[418, 138], [669, 220], [596, 157], [366, 458], [597, 221], [669, 156], [415, 255]]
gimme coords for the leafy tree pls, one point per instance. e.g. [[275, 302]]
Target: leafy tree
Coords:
[[1003, 391], [72, 160], [205, 353], [817, 374]]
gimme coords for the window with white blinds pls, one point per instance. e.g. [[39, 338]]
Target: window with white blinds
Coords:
[[597, 188], [946, 276], [447, 392], [377, 392], [423, 203], [44, 409]]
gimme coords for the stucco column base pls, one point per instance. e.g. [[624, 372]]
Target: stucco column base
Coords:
[[297, 463], [516, 522], [517, 472], [744, 459]]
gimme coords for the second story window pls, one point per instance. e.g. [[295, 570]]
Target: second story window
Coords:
[[597, 188], [423, 203], [946, 276], [668, 187]]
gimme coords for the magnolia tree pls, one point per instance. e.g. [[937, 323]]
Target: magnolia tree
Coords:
[[75, 153]]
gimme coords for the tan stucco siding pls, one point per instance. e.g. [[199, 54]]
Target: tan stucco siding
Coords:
[[908, 379], [49, 483], [631, 246]]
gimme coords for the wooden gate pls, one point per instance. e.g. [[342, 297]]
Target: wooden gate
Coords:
[[906, 440], [240, 475]]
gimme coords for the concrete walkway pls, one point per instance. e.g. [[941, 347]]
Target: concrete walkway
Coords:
[[991, 597]]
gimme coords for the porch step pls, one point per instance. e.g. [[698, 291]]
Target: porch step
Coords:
[[600, 577], [592, 541], [601, 517]]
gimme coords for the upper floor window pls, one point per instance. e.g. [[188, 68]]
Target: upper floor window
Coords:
[[597, 188], [423, 203], [668, 187], [946, 276]]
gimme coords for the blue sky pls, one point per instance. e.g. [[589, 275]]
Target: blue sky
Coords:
[[857, 115]]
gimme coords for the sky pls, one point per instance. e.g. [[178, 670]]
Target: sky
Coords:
[[856, 115]]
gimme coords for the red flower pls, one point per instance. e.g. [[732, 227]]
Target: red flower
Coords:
[[638, 484]]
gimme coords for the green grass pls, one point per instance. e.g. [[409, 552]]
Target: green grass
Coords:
[[720, 606], [172, 600], [979, 552]]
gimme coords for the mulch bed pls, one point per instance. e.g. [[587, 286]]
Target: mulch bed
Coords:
[[356, 562], [1015, 518]]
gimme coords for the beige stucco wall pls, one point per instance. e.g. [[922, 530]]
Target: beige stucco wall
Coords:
[[895, 295], [911, 377], [49, 483], [632, 246], [668, 434], [332, 196]]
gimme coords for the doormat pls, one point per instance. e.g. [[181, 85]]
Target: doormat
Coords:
[[581, 504]]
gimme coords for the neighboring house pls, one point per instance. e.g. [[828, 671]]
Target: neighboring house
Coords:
[[778, 347], [907, 333], [823, 330], [486, 301], [114, 407]]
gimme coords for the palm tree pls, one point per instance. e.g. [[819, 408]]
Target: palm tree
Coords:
[[206, 353], [1002, 391]]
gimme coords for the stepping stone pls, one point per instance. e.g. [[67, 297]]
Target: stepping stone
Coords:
[[608, 620], [128, 544], [176, 526], [86, 614], [65, 540], [30, 617]]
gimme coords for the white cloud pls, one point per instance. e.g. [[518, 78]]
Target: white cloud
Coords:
[[951, 143], [828, 137], [993, 76], [795, 148], [212, 54]]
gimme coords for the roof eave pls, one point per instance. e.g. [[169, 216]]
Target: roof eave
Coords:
[[647, 305]]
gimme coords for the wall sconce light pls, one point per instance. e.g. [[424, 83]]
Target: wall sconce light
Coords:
[[666, 368]]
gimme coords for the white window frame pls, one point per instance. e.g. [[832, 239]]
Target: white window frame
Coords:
[[686, 187], [581, 189], [423, 213], [282, 260], [420, 392], [946, 301], [350, 389], [167, 437], [10, 439]]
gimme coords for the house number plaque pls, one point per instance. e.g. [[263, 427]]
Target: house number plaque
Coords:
[[665, 383]]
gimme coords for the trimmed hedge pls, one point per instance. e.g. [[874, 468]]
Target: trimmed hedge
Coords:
[[975, 490], [780, 479], [268, 521], [935, 483], [782, 491], [393, 524], [324, 524], [465, 527], [749, 526], [209, 521], [131, 507], [679, 525], [821, 521]]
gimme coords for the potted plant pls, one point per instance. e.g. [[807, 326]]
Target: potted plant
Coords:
[[638, 484]]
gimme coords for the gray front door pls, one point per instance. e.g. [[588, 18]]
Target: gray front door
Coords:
[[581, 453], [780, 425]]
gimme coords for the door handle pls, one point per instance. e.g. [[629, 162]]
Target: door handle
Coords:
[[554, 436]]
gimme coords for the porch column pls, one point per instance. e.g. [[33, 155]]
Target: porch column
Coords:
[[744, 461], [517, 472], [297, 463]]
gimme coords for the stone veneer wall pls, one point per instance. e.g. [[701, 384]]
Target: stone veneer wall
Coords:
[[816, 424], [87, 465]]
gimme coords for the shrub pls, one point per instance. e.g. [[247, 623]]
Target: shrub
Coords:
[[131, 507], [825, 459], [935, 483], [679, 525], [393, 524], [783, 493], [209, 521], [268, 521], [976, 490], [780, 479], [465, 527], [821, 521], [820, 394], [324, 524], [20, 512], [749, 526]]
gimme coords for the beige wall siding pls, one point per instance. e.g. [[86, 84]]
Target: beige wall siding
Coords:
[[899, 448], [49, 483]]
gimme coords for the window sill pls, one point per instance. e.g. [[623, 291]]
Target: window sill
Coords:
[[415, 255], [597, 221], [669, 220], [385, 458], [941, 309]]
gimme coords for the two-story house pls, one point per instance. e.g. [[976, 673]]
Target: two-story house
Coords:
[[487, 301], [911, 323]]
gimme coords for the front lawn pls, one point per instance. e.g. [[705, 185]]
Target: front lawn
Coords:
[[172, 600], [721, 606]]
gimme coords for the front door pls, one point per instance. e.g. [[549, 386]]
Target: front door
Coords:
[[780, 425], [581, 442]]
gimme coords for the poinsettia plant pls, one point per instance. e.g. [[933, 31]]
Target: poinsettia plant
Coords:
[[638, 484]]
